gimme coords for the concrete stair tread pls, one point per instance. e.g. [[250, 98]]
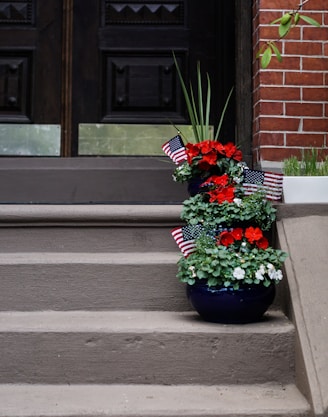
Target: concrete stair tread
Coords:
[[116, 258], [133, 321], [25, 400], [86, 214], [139, 347]]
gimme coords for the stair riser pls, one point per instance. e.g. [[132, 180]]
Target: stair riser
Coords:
[[88, 239], [87, 180], [145, 358], [91, 287]]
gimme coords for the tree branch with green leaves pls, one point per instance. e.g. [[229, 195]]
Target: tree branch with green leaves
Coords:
[[286, 22]]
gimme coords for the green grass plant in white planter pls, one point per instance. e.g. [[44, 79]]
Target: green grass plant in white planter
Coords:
[[306, 181]]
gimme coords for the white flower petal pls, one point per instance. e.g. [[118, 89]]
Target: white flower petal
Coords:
[[239, 273]]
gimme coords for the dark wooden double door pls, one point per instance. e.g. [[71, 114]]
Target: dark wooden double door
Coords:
[[68, 62]]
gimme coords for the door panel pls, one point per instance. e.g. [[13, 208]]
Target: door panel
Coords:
[[129, 48], [140, 87], [16, 59], [30, 61]]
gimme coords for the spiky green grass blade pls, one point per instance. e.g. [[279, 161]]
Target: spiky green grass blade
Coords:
[[216, 137], [200, 102], [188, 101], [208, 107]]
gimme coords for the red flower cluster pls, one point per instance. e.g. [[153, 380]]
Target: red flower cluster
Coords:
[[253, 235], [210, 151], [221, 189]]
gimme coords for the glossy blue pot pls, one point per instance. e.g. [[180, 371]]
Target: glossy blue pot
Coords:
[[225, 305], [194, 186]]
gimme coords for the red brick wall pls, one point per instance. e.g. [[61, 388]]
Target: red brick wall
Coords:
[[290, 99]]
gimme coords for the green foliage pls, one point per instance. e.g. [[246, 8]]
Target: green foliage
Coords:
[[309, 165], [267, 50], [217, 264], [186, 171], [292, 167], [253, 208], [199, 105], [286, 22], [310, 21]]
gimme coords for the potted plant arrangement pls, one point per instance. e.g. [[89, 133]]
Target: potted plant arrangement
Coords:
[[306, 180], [231, 275], [227, 263]]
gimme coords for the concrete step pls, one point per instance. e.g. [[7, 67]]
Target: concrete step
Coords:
[[137, 347], [91, 281], [269, 400], [87, 239], [88, 228], [126, 179]]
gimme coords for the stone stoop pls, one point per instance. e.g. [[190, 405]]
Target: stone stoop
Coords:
[[94, 323]]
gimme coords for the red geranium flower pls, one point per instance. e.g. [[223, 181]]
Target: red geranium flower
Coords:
[[210, 158], [210, 151], [262, 243], [238, 156], [217, 180], [253, 234], [226, 238], [232, 151], [219, 147], [206, 146], [192, 151], [237, 233], [222, 194]]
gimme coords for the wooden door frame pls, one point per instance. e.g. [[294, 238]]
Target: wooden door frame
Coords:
[[243, 75], [66, 91]]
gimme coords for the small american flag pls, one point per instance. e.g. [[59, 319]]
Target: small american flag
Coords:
[[270, 182], [185, 238], [175, 149]]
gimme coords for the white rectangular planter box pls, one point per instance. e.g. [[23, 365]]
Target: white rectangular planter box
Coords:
[[305, 189]]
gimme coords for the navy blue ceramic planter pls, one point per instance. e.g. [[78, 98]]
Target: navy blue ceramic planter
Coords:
[[194, 186], [226, 305]]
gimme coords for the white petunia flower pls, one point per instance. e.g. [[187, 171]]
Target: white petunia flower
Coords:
[[239, 273], [192, 269], [237, 201], [262, 269], [259, 275], [237, 180], [279, 275], [272, 272]]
